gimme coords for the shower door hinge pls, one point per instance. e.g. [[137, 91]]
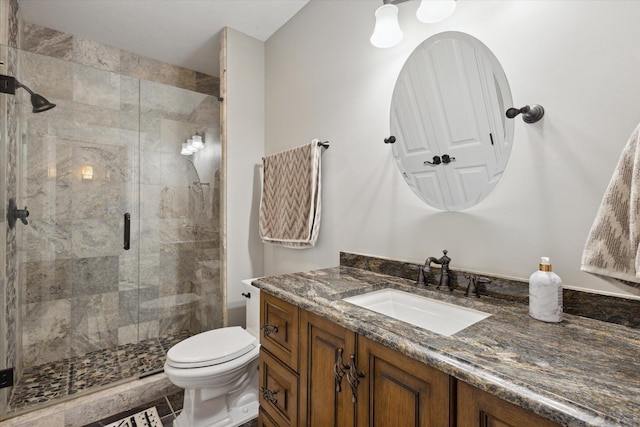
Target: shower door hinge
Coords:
[[6, 377]]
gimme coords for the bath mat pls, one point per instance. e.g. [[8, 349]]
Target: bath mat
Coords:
[[147, 418]]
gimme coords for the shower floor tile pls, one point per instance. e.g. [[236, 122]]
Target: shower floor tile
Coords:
[[49, 382]]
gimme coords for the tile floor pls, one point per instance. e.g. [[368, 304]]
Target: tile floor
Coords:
[[49, 382], [168, 407]]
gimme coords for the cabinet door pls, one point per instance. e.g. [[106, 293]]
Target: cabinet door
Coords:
[[398, 390], [479, 408], [321, 344], [278, 391], [279, 324]]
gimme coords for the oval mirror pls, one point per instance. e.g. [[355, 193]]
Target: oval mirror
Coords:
[[453, 139]]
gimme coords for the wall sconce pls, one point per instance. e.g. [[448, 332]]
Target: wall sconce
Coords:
[[87, 172], [387, 32], [192, 145]]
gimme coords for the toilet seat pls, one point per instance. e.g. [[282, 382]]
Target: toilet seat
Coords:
[[211, 348]]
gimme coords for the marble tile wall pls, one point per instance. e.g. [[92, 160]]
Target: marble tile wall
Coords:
[[67, 47]]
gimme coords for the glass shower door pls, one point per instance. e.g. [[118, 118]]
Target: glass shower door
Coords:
[[78, 175]]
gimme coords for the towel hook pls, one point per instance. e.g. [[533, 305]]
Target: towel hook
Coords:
[[530, 114]]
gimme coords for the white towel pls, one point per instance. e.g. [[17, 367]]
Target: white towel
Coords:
[[290, 202], [613, 244]]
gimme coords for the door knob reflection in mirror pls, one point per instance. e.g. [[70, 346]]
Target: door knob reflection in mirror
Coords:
[[446, 159], [436, 161]]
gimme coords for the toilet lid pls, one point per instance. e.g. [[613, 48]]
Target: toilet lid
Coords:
[[211, 348]]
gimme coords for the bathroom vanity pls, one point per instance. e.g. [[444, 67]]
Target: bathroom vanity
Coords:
[[325, 361]]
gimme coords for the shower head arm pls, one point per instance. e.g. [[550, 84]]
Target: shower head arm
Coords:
[[9, 84], [18, 84]]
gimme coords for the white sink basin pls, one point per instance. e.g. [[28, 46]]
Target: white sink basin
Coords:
[[436, 316]]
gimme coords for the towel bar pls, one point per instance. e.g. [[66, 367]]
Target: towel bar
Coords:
[[530, 114]]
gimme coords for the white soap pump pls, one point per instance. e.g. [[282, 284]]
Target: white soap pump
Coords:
[[545, 293]]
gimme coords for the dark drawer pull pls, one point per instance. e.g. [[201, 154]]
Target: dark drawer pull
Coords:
[[353, 378], [269, 329], [339, 369], [269, 395]]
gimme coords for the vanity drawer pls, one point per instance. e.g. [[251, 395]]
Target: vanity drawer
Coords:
[[278, 392], [265, 420], [279, 329]]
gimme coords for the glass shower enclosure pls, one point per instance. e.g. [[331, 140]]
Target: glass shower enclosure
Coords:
[[83, 307]]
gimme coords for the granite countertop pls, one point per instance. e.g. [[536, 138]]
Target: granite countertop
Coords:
[[580, 372]]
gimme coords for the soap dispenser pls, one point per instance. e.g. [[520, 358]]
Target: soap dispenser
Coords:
[[545, 293]]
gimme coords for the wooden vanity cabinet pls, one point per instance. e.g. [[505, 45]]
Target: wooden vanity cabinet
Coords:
[[479, 408], [325, 347], [308, 365], [399, 391], [390, 389], [279, 326], [279, 393], [279, 380]]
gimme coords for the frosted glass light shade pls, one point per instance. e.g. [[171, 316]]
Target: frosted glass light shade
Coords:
[[197, 142], [387, 32], [431, 11], [187, 150]]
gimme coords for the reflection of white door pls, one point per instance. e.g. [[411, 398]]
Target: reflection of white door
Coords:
[[413, 121], [457, 87], [447, 101]]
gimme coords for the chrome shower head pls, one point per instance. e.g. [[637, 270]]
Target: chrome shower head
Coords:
[[9, 85]]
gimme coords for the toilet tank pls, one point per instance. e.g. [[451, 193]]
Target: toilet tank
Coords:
[[252, 308]]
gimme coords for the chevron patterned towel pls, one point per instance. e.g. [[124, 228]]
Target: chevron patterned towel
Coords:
[[290, 203], [612, 248]]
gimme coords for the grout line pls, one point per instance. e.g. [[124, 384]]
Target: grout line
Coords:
[[170, 407]]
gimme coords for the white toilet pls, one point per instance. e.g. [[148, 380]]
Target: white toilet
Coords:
[[219, 371]]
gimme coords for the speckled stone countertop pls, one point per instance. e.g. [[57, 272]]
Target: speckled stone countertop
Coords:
[[581, 372]]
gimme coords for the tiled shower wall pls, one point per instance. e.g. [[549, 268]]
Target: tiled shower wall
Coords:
[[81, 288]]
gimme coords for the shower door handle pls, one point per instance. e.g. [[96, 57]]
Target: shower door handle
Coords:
[[127, 231]]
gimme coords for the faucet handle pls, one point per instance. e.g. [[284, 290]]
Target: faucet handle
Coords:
[[421, 276], [473, 288]]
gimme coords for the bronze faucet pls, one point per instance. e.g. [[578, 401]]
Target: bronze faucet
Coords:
[[444, 271]]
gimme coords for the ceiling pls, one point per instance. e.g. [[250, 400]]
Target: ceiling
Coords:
[[179, 32]]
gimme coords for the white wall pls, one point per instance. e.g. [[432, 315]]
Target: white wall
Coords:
[[579, 59], [245, 100]]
